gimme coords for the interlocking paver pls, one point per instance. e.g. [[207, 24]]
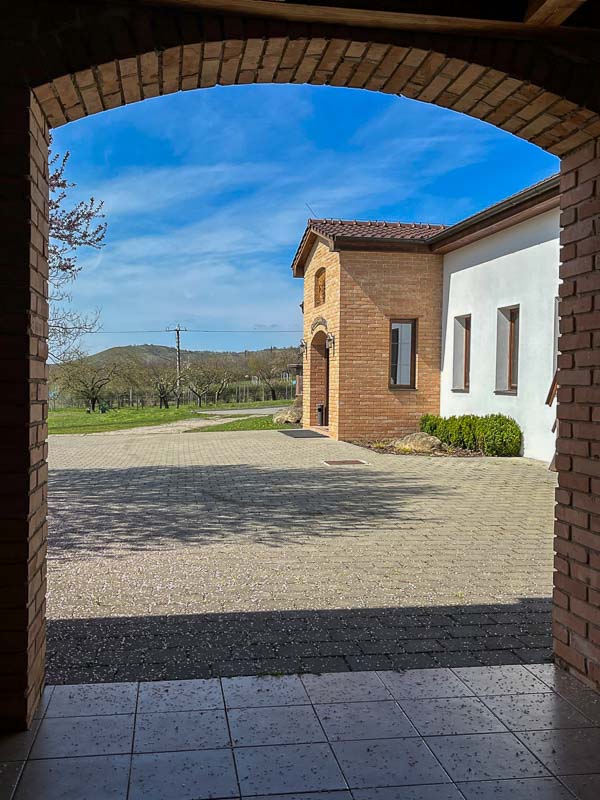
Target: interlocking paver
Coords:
[[198, 555]]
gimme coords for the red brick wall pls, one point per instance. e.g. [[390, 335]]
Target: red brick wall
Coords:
[[314, 363], [577, 542], [374, 289], [23, 404]]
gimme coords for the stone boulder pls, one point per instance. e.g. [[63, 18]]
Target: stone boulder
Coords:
[[417, 443], [288, 416]]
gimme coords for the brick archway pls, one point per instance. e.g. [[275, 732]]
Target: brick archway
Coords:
[[318, 384], [66, 59], [149, 52]]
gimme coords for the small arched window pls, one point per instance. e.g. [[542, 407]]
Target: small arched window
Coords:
[[320, 286]]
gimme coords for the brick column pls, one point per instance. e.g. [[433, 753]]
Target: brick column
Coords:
[[577, 542], [23, 403]]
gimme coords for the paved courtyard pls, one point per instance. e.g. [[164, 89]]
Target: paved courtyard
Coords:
[[475, 733], [213, 554]]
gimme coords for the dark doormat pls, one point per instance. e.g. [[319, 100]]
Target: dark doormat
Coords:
[[301, 434]]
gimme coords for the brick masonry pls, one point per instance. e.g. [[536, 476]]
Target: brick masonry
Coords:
[[140, 51], [319, 320], [577, 544], [365, 292], [82, 58], [23, 405]]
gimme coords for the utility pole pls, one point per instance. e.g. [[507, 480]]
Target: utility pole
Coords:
[[178, 330]]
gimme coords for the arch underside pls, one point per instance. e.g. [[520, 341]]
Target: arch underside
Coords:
[[498, 81]]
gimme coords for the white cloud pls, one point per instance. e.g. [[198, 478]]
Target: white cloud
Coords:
[[205, 231]]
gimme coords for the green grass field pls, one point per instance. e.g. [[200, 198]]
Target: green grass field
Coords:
[[246, 424], [77, 420]]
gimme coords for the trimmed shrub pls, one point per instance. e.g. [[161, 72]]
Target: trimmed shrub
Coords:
[[493, 435], [500, 436], [429, 423]]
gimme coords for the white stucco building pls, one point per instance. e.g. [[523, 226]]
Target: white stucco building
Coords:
[[407, 319], [500, 295]]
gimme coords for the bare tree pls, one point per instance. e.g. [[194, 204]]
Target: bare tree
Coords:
[[70, 228], [211, 374], [200, 377], [267, 365], [85, 380], [164, 381]]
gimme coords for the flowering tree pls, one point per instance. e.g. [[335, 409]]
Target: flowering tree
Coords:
[[71, 228]]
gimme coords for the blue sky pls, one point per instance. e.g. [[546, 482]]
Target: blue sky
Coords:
[[206, 197]]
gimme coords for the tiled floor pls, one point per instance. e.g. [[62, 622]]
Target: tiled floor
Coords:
[[475, 733]]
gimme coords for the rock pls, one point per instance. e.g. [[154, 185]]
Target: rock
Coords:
[[291, 415], [417, 443]]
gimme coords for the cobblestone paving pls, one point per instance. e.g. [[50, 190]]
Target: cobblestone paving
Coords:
[[244, 553]]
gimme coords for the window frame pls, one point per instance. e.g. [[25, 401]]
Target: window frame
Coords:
[[320, 273], [461, 354], [413, 322], [514, 324], [467, 353]]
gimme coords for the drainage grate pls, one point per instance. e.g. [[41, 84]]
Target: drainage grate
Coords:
[[346, 461]]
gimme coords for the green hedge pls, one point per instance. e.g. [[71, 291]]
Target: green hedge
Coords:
[[494, 435]]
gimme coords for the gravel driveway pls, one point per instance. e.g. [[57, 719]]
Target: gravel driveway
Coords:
[[243, 552]]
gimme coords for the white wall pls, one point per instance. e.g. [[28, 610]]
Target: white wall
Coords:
[[518, 266]]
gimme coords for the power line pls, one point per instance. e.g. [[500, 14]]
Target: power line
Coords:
[[202, 330]]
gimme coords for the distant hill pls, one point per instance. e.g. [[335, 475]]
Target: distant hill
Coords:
[[154, 354]]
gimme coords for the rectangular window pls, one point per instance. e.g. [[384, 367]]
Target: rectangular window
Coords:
[[513, 349], [507, 350], [461, 368], [403, 353]]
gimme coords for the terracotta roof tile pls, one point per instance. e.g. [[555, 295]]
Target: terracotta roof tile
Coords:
[[374, 229]]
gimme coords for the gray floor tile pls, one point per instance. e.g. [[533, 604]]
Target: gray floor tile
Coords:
[[506, 679], [535, 712], [291, 768], [451, 715], [381, 719], [488, 756], [304, 796], [275, 725], [586, 700], [440, 791], [84, 736], [192, 695], [183, 776], [584, 787], [566, 752], [180, 730], [93, 700], [98, 778], [416, 683], [252, 691], [388, 762], [16, 746], [340, 687], [545, 672], [526, 789], [9, 775], [43, 706]]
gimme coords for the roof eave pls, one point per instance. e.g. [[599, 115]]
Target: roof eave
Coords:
[[306, 243], [526, 204], [382, 244]]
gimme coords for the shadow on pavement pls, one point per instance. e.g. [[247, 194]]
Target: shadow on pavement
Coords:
[[207, 645]]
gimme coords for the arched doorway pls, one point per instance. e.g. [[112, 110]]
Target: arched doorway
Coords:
[[68, 59], [319, 380]]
